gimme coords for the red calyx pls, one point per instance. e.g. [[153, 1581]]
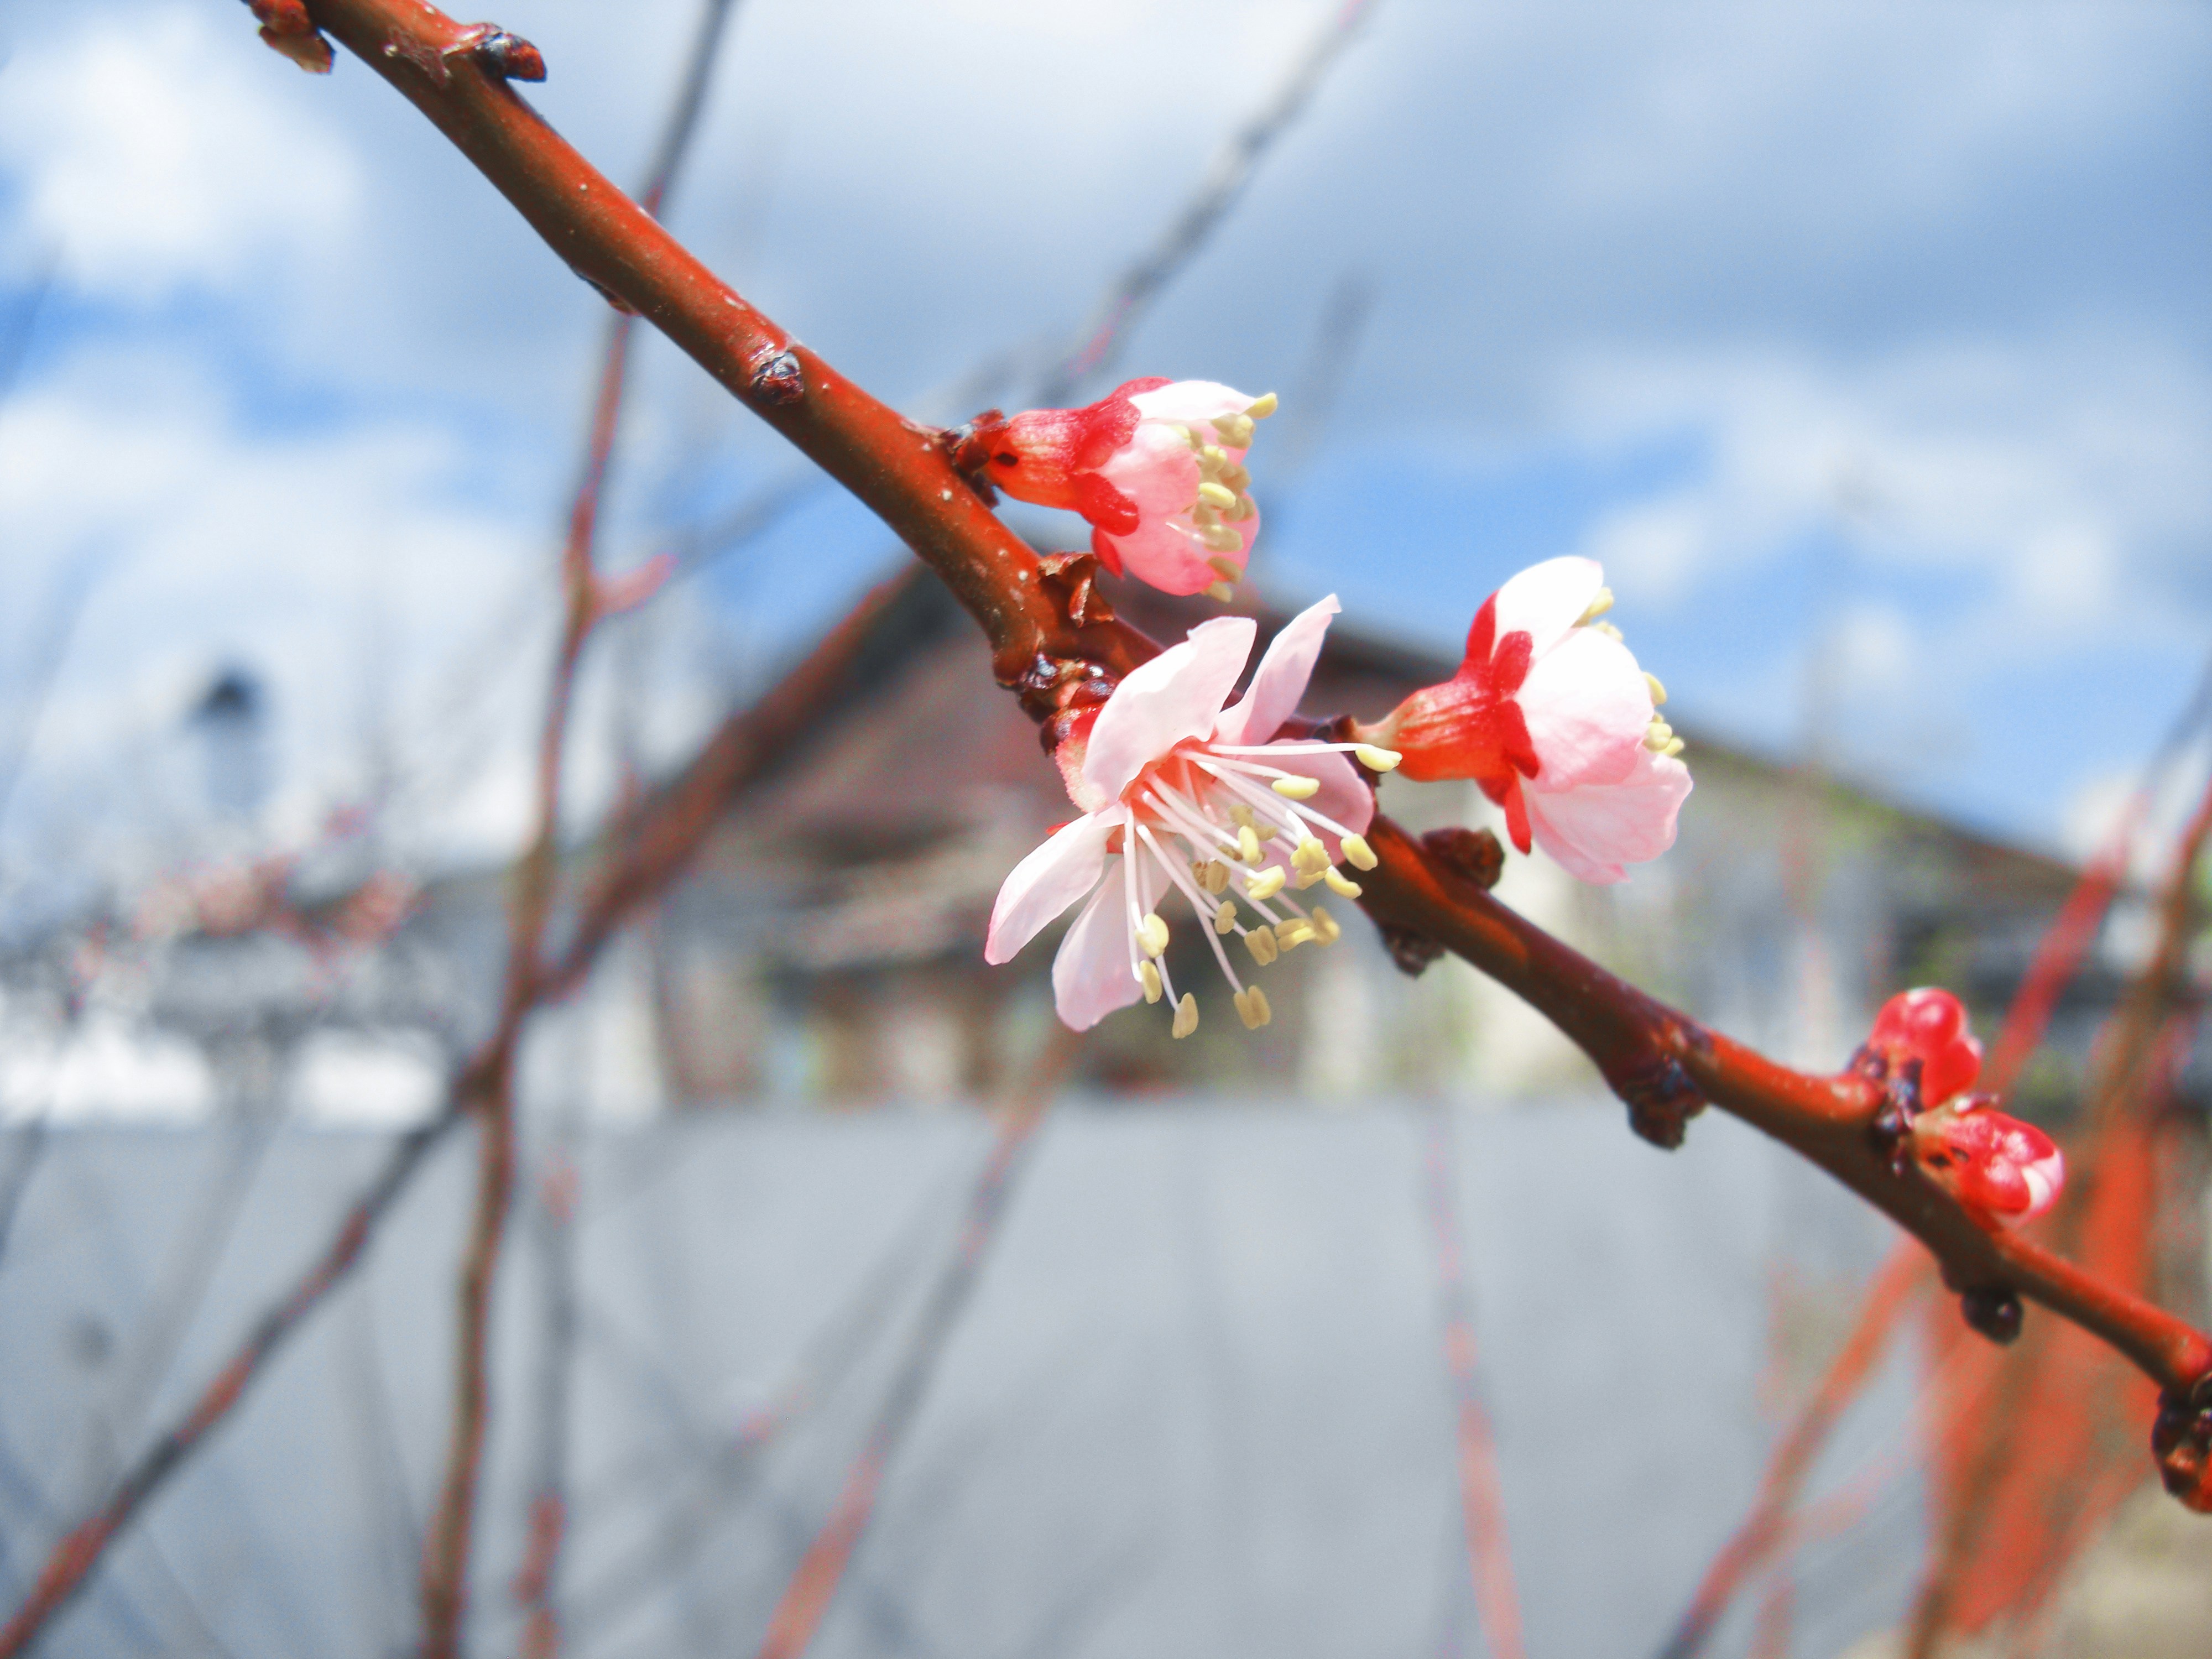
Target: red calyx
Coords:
[[1470, 726], [1929, 1025]]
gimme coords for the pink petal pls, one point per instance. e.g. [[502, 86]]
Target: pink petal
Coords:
[[1547, 599], [1588, 707], [1191, 401], [1157, 470], [1052, 877], [1164, 554], [1090, 976], [1177, 695], [1281, 679], [1594, 830]]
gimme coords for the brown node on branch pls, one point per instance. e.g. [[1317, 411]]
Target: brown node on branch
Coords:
[[1660, 1098], [1411, 953], [286, 27], [502, 54], [969, 445], [1473, 854], [1994, 1311], [778, 378], [2181, 1440], [1072, 580]]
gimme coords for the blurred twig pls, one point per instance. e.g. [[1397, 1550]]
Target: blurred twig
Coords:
[[813, 1585], [1231, 168], [447, 1545], [1482, 1499]]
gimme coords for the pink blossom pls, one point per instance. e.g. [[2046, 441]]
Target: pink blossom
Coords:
[[1181, 796], [1158, 469], [1551, 715], [2003, 1170]]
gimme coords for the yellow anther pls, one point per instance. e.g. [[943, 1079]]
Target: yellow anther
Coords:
[[1261, 942], [1243, 510], [1149, 977], [1294, 933], [1598, 606], [1309, 858], [1298, 788], [1358, 855], [1230, 571], [1339, 884], [1247, 843], [1221, 592], [1240, 815], [1234, 431], [1153, 935], [1607, 629], [1657, 735], [1377, 760], [1214, 496], [1216, 877], [1658, 691], [1265, 885], [1237, 476], [1262, 408], [1184, 433], [1221, 539], [1672, 748], [1225, 919], [1252, 1008], [1325, 927], [1185, 1019], [1204, 517], [1213, 457], [1266, 832]]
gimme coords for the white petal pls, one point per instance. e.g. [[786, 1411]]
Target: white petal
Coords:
[[1052, 877], [1090, 976], [1587, 706], [1281, 679], [1547, 599], [1594, 830], [1177, 695], [1186, 401]]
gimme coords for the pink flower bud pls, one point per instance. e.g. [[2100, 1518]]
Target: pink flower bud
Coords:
[[1550, 714], [1929, 1025], [1157, 467], [2001, 1169]]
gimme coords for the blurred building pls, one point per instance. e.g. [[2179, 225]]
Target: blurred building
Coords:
[[829, 945], [826, 947]]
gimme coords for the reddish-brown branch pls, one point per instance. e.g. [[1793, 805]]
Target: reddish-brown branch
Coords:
[[1664, 1065]]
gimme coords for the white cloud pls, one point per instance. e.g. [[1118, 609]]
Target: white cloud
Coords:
[[151, 151]]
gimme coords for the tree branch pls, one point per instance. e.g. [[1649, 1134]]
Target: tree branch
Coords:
[[1662, 1063]]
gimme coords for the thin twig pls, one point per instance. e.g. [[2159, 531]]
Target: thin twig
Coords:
[[2127, 1057], [447, 1545], [1482, 1498], [1224, 181], [649, 850], [806, 1598]]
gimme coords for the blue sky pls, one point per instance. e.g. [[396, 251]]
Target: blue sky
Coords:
[[1869, 345]]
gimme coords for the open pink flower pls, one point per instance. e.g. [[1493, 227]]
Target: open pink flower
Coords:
[[1181, 795], [1157, 466], [2003, 1170], [1550, 714], [1927, 1025]]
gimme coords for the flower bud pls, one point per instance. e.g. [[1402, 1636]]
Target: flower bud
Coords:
[[1927, 1025], [2003, 1170]]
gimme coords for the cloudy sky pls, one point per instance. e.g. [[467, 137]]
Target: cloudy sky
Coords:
[[1869, 345]]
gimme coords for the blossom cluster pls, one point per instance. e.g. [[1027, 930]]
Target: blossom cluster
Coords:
[[2001, 1170], [1190, 800]]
